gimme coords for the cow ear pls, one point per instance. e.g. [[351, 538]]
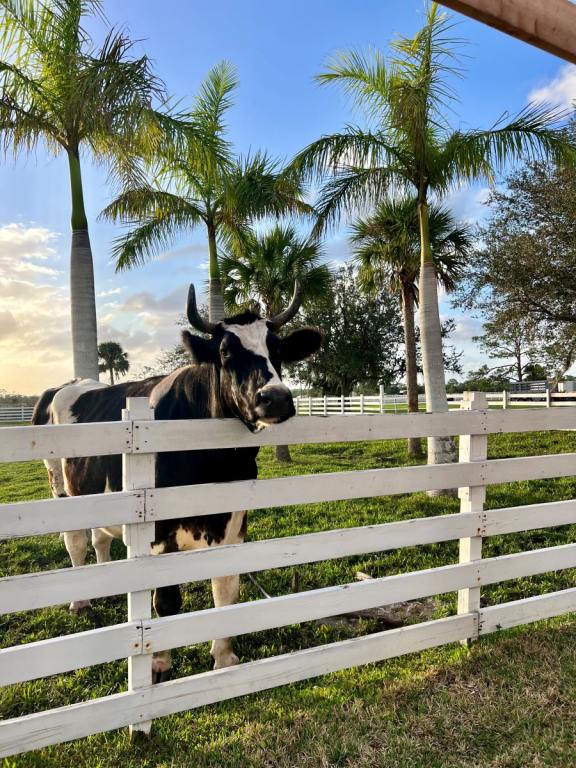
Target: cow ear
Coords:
[[300, 344], [200, 350]]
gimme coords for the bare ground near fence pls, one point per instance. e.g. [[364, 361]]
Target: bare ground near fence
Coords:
[[361, 717]]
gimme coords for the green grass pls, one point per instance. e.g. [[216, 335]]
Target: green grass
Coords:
[[508, 702]]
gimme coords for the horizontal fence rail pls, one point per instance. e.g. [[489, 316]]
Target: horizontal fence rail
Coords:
[[38, 517], [140, 505], [110, 438]]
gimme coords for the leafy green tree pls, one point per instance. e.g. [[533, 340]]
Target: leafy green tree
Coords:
[[57, 87], [114, 359], [387, 250], [261, 269], [410, 145], [216, 190], [525, 265], [511, 339], [362, 337], [485, 380]]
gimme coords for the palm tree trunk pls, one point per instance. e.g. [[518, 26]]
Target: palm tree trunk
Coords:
[[414, 443], [215, 300], [283, 454], [112, 376], [441, 450], [82, 298]]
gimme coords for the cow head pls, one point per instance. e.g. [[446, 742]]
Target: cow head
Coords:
[[249, 354]]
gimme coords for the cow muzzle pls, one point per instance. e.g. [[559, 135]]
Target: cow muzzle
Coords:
[[274, 404]]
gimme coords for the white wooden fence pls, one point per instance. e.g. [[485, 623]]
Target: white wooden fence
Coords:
[[336, 404], [139, 505], [18, 412]]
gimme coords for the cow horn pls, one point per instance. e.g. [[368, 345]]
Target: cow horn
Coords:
[[279, 320], [194, 316]]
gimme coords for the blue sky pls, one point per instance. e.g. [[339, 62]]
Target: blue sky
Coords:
[[277, 49]]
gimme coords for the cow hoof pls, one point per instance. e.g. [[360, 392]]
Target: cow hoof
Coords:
[[79, 606], [226, 660], [161, 676]]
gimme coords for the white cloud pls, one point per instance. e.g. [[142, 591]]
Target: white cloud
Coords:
[[468, 204], [561, 91], [35, 341]]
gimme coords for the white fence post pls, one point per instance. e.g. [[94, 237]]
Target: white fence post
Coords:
[[361, 403], [342, 404], [382, 395], [309, 405], [472, 498], [548, 398], [297, 405], [325, 406], [138, 471], [504, 398]]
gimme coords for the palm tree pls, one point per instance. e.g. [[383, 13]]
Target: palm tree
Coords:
[[56, 86], [260, 269], [217, 190], [387, 251], [410, 145], [114, 359]]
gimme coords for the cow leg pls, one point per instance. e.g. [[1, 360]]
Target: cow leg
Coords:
[[225, 590], [101, 541], [167, 602], [55, 477], [77, 544]]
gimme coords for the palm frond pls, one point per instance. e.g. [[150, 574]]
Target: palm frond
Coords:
[[215, 97], [351, 148], [255, 187], [364, 76], [535, 133], [352, 191], [132, 205]]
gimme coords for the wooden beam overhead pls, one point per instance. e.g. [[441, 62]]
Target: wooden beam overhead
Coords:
[[547, 24]]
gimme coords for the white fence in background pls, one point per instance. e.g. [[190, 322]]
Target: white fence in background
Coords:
[[337, 404], [18, 412], [139, 505]]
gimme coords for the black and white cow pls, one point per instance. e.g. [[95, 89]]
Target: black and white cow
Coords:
[[236, 372]]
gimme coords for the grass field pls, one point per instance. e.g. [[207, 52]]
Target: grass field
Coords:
[[510, 701]]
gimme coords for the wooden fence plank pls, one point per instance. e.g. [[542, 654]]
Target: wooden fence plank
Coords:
[[225, 433], [34, 518], [216, 433], [111, 712], [512, 519], [211, 498], [108, 438], [242, 618], [64, 441], [70, 652], [37, 590], [518, 612]]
